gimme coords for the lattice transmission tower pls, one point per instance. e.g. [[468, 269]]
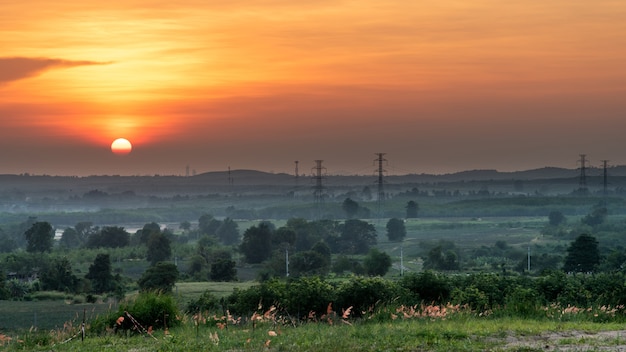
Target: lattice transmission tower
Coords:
[[319, 173], [380, 182]]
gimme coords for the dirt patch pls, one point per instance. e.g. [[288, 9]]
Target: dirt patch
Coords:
[[568, 341]]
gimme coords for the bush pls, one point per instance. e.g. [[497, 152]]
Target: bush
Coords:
[[150, 309], [367, 294], [271, 292], [428, 287], [308, 294]]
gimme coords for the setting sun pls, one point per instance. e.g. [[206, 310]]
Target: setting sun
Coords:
[[121, 146]]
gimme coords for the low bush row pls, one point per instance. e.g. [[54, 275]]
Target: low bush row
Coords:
[[482, 293]]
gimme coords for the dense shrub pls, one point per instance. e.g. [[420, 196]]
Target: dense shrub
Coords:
[[428, 287], [308, 294], [368, 294], [150, 309], [270, 293]]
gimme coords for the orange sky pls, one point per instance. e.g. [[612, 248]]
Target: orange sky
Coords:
[[438, 85]]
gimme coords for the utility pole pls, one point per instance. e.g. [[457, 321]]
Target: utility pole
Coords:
[[297, 175], [318, 189], [380, 182], [287, 261], [605, 180], [401, 262], [582, 181], [528, 259]]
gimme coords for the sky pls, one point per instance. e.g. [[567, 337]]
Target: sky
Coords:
[[439, 86]]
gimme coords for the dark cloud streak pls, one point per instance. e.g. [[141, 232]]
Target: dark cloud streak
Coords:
[[16, 68]]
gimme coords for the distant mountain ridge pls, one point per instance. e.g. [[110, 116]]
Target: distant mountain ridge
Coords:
[[245, 177]]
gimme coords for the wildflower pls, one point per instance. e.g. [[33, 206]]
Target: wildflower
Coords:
[[346, 313]]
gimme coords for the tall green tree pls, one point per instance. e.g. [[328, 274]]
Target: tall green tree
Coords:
[[7, 244], [109, 237], [257, 243], [350, 207], [412, 209], [396, 231], [161, 277], [58, 276], [223, 270], [100, 274], [356, 237], [70, 238], [556, 218], [597, 217], [159, 248], [583, 254], [208, 225], [440, 259], [228, 232], [143, 235], [377, 263], [40, 237]]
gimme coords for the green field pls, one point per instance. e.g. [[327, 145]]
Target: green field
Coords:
[[47, 315], [52, 314]]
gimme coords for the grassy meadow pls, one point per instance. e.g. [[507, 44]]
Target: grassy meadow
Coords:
[[454, 331]]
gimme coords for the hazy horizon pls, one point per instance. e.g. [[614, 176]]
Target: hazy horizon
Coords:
[[439, 86]]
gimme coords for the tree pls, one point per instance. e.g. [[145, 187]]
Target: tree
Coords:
[[143, 235], [161, 277], [437, 259], [412, 209], [58, 276], [396, 231], [223, 270], [109, 237], [5, 293], [377, 263], [583, 254], [208, 225], [596, 217], [70, 238], [556, 218], [257, 243], [356, 237], [40, 237], [100, 274], [185, 226], [350, 207], [83, 229], [308, 263], [7, 244], [159, 248], [283, 237], [228, 232], [315, 261]]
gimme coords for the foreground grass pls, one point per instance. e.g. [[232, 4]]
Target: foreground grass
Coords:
[[460, 333]]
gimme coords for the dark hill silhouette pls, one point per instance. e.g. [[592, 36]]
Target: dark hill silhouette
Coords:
[[218, 181]]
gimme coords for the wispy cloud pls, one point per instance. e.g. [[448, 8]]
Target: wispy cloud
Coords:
[[16, 68]]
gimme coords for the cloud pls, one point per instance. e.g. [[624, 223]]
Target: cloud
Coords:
[[16, 68]]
